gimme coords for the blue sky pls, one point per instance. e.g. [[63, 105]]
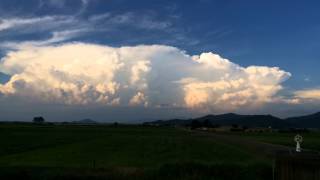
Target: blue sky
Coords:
[[282, 34]]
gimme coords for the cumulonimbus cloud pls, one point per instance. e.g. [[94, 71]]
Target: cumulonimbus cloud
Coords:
[[146, 75]]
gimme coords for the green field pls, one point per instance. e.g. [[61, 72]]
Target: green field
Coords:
[[311, 140], [128, 152]]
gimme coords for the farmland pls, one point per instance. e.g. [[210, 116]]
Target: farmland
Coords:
[[120, 152], [311, 139]]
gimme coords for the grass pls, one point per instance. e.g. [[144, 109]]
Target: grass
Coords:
[[183, 171], [123, 152], [311, 140], [81, 146]]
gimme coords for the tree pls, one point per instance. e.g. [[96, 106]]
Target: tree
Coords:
[[38, 119], [216, 126], [207, 123], [195, 124], [235, 125]]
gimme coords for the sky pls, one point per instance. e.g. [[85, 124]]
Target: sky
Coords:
[[132, 61]]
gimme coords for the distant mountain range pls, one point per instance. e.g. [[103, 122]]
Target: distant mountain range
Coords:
[[310, 121]]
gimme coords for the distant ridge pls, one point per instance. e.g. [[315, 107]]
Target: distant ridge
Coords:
[[245, 120], [309, 121], [171, 122]]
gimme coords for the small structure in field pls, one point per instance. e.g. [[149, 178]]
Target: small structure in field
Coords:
[[298, 139]]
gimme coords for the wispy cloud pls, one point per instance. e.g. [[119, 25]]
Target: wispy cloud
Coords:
[[56, 37], [10, 23], [58, 28], [142, 21], [43, 24], [99, 17], [62, 3], [63, 28]]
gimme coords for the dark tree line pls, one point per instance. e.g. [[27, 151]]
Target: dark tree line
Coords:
[[206, 123], [38, 120]]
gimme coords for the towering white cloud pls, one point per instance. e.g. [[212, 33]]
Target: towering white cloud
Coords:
[[154, 75]]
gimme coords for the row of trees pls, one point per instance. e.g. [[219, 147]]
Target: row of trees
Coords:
[[206, 123]]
